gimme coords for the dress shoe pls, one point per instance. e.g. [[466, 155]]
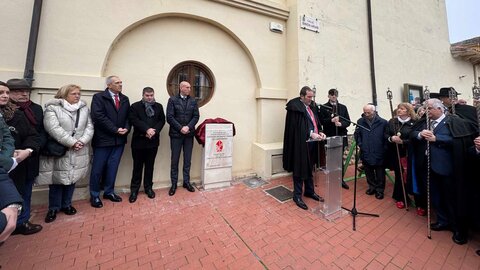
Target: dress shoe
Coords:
[[113, 197], [150, 193], [188, 187], [315, 196], [345, 185], [133, 197], [96, 202], [459, 238], [421, 211], [172, 190], [400, 205], [27, 228], [51, 216], [439, 227], [300, 203], [69, 210], [370, 192], [379, 196]]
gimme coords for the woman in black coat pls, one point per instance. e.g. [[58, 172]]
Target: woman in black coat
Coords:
[[397, 135]]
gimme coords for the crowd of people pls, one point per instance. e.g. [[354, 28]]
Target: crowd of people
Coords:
[[433, 150], [54, 146]]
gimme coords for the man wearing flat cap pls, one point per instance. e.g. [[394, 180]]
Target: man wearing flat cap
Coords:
[[466, 112], [20, 96]]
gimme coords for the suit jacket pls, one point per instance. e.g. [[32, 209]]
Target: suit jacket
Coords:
[[141, 123], [182, 113], [107, 119], [298, 125]]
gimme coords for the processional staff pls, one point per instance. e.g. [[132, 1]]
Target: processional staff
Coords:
[[397, 129], [426, 95], [476, 97]]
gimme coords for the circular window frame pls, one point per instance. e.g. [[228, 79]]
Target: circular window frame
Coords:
[[173, 88]]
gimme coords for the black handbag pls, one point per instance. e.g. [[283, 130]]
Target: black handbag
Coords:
[[55, 149]]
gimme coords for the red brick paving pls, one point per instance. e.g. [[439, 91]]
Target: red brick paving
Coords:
[[235, 228]]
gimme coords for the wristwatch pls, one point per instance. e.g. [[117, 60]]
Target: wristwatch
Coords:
[[15, 205]]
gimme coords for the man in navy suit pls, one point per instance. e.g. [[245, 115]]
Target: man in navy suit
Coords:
[[449, 139], [182, 116], [147, 119], [110, 119]]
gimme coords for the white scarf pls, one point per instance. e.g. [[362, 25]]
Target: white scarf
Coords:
[[403, 121], [70, 107]]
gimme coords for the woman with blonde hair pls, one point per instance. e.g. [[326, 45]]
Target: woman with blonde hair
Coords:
[[67, 120], [398, 137]]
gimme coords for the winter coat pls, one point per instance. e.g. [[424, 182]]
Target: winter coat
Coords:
[[60, 124], [141, 123], [372, 143]]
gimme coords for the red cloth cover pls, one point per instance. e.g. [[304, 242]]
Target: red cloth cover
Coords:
[[200, 131]]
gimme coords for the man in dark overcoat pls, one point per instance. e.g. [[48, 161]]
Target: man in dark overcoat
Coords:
[[20, 91], [302, 123], [147, 118], [110, 119], [373, 148]]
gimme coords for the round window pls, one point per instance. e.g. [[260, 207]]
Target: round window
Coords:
[[198, 75]]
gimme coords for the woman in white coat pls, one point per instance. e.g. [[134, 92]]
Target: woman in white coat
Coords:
[[61, 173]]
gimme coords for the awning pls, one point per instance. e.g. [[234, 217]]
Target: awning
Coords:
[[468, 50]]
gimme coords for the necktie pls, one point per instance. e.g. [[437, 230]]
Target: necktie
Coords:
[[433, 124], [315, 129], [117, 102]]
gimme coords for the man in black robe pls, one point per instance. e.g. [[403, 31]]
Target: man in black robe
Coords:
[[299, 156], [335, 120]]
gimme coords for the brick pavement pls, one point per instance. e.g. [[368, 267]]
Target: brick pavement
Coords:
[[235, 228]]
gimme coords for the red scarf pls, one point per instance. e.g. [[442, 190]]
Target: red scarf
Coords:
[[25, 107]]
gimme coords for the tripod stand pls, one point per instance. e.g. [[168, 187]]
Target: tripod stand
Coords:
[[352, 211]]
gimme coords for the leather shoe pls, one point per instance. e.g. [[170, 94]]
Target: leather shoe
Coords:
[[439, 227], [379, 196], [113, 197], [69, 210], [344, 185], [96, 202], [150, 193], [370, 192], [172, 190], [133, 197], [51, 216], [300, 203], [315, 196], [27, 228], [459, 238], [188, 187]]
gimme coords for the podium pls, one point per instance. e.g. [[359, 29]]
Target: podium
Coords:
[[331, 208]]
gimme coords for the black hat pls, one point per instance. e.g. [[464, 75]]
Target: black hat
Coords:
[[333, 92], [444, 92], [18, 84]]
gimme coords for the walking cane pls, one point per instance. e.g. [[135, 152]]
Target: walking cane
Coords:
[[426, 94], [390, 96]]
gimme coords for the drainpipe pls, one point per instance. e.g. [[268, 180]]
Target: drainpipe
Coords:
[[372, 55], [32, 42]]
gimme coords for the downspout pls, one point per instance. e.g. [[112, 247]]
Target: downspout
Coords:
[[372, 54], [32, 42]]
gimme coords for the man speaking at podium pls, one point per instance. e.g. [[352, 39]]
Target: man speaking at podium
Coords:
[[301, 124]]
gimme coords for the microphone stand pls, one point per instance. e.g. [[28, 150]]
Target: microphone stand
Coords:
[[352, 211]]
